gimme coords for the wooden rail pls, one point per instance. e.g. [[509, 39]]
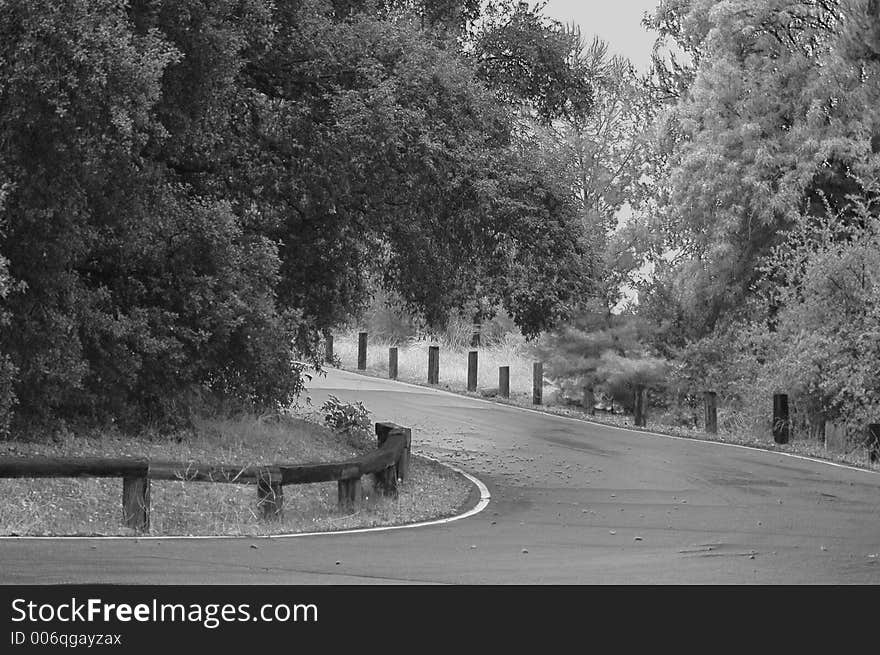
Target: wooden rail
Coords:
[[388, 464]]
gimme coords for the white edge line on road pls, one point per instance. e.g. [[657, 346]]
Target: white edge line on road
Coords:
[[617, 427], [485, 496]]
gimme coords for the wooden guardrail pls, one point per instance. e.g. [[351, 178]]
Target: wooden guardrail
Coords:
[[387, 464]]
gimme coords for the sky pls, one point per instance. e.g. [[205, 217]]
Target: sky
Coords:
[[617, 22]]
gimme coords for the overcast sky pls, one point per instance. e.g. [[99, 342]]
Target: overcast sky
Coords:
[[618, 22]]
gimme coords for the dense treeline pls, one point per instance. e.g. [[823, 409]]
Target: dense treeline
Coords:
[[190, 192], [755, 247], [772, 206]]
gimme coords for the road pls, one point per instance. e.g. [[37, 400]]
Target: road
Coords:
[[572, 502]]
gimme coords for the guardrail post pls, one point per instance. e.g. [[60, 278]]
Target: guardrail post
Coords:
[[328, 348], [270, 497], [781, 425], [136, 501], [386, 481], [392, 363], [589, 401], [403, 462], [383, 431], [350, 493], [640, 409], [472, 371], [537, 383], [710, 399], [873, 441], [504, 381], [433, 364], [362, 351]]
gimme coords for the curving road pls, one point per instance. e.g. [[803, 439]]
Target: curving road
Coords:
[[572, 502]]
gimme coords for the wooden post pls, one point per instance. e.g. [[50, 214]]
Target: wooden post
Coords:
[[386, 481], [873, 441], [710, 399], [362, 351], [383, 430], [392, 363], [403, 462], [136, 502], [781, 425], [328, 348], [270, 498], [589, 401], [504, 381], [472, 371], [640, 409], [433, 364], [537, 383], [351, 492]]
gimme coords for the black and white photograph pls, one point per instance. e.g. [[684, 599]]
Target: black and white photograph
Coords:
[[326, 294]]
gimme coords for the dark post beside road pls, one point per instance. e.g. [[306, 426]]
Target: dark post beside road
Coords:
[[270, 497], [362, 351], [328, 348], [383, 431], [874, 441], [392, 363], [781, 425], [504, 381], [640, 406], [136, 502], [537, 383], [710, 399], [589, 401], [472, 371], [433, 364]]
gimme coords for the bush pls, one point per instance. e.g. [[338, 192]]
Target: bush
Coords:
[[346, 418]]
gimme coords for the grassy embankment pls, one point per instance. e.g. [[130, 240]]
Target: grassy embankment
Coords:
[[513, 352], [88, 506]]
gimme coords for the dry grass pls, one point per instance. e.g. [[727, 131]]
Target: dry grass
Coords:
[[93, 506], [412, 362]]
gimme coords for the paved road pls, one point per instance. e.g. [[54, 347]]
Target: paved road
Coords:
[[590, 504]]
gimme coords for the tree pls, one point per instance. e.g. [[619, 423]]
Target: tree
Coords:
[[773, 205], [192, 187], [528, 59], [735, 179]]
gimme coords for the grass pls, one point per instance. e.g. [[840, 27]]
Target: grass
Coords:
[[413, 366], [412, 362], [92, 506]]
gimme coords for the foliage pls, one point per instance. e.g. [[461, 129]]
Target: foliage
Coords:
[[348, 418], [605, 352], [193, 191], [769, 219], [528, 58]]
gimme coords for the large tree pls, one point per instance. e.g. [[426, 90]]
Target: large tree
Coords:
[[190, 187]]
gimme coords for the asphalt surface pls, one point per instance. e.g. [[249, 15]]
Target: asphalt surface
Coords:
[[572, 502]]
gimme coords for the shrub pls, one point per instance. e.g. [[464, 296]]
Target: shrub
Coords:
[[347, 418]]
